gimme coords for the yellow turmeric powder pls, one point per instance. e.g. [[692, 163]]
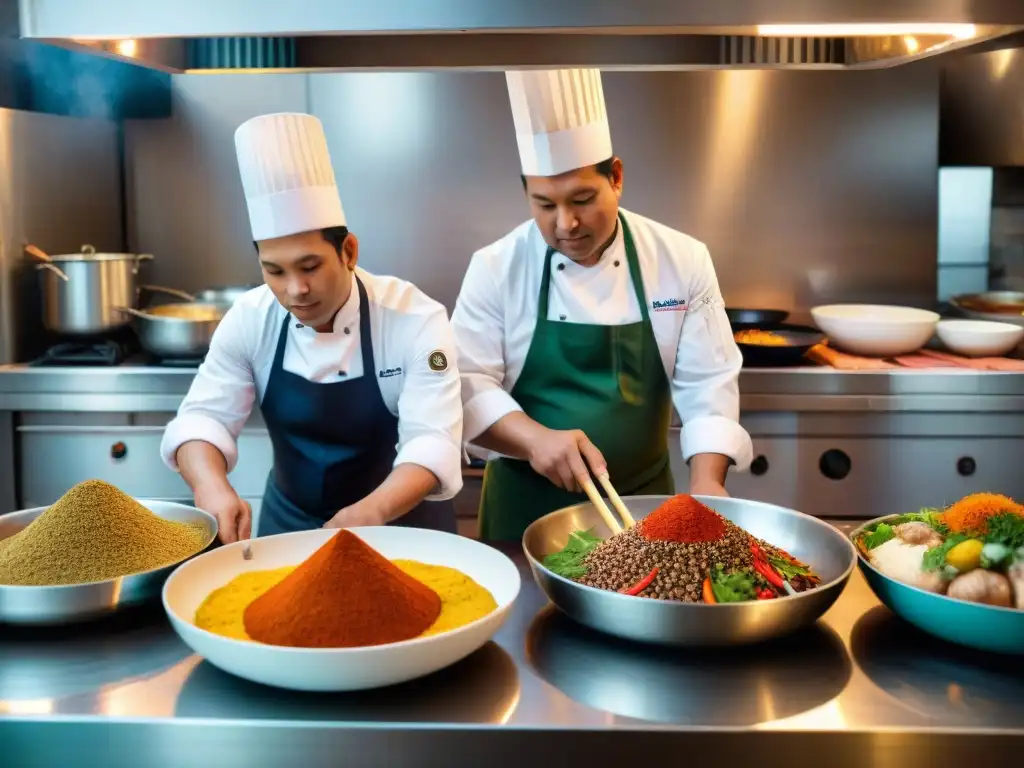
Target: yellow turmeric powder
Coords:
[[462, 600]]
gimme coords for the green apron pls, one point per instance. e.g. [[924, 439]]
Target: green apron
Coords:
[[607, 380]]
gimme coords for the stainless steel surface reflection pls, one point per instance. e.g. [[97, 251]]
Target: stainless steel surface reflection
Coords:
[[949, 684], [79, 602], [776, 680], [47, 663], [545, 690], [694, 624], [482, 688]]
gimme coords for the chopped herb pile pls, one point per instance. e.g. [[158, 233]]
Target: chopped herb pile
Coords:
[[735, 587]]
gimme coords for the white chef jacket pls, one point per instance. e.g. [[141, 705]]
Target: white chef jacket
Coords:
[[496, 314], [406, 326]]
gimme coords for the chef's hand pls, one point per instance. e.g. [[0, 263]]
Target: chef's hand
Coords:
[[234, 515], [356, 515], [562, 456], [707, 488]]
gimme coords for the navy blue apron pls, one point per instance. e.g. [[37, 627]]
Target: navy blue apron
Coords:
[[334, 444]]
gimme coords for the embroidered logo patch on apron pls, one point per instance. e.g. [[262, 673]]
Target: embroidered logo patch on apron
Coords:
[[438, 361]]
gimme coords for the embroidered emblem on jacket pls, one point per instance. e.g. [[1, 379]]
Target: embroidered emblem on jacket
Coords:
[[669, 305], [387, 373], [438, 361]]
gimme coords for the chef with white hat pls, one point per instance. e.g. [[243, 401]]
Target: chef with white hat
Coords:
[[581, 329], [354, 373]]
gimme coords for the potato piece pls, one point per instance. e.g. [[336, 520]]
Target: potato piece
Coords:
[[980, 586]]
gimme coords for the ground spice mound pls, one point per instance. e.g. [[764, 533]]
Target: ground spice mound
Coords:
[[344, 595], [971, 513], [683, 519], [94, 532]]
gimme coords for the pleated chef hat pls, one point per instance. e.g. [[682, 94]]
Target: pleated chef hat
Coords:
[[560, 119], [287, 175]]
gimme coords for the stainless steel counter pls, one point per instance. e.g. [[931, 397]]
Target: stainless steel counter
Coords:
[[145, 388], [860, 688]]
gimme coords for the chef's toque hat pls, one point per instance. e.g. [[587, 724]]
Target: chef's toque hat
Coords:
[[560, 119], [287, 175]]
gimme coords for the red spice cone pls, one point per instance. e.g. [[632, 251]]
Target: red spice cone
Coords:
[[682, 519], [345, 595]]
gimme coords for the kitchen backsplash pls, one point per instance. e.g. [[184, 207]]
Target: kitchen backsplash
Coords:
[[1008, 230], [808, 187]]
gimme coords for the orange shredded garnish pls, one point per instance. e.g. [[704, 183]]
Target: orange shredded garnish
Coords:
[[971, 513]]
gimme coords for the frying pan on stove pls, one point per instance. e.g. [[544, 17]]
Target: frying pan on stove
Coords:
[[755, 318], [799, 338]]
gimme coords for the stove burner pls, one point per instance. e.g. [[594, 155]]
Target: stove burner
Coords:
[[102, 353], [179, 362]]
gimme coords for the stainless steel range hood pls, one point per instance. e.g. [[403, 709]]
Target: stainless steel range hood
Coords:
[[325, 35]]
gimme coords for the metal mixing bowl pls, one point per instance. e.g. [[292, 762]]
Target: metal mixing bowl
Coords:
[[985, 627], [76, 602], [667, 622]]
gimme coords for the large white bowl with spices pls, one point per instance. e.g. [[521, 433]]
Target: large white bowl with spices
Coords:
[[339, 669], [65, 604]]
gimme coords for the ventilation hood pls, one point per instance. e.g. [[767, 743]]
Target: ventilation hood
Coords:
[[981, 109], [196, 36]]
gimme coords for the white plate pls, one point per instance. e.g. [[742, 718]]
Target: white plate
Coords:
[[339, 669], [979, 338], [876, 330]]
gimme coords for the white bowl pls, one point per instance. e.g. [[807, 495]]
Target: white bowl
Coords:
[[979, 338], [339, 669], [876, 330]]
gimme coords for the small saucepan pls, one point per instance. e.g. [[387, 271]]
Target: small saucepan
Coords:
[[777, 345], [176, 331]]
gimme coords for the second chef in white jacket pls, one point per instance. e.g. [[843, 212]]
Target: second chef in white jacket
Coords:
[[354, 373], [580, 330]]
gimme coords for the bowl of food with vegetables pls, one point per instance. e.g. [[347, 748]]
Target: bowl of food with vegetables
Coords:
[[956, 573], [690, 570]]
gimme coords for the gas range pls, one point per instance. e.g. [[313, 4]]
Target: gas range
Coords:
[[106, 353]]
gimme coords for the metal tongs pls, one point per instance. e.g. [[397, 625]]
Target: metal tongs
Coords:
[[602, 508]]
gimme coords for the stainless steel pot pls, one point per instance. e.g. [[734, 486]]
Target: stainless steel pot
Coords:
[[81, 290], [176, 331]]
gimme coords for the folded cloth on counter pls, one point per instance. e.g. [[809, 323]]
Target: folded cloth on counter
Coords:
[[926, 358], [842, 361], [977, 363]]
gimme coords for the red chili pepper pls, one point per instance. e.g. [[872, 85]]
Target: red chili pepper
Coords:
[[765, 594], [769, 573], [641, 585]]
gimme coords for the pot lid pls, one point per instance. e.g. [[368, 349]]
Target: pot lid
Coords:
[[88, 253]]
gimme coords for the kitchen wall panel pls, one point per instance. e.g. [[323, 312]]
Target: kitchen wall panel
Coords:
[[808, 187], [185, 202]]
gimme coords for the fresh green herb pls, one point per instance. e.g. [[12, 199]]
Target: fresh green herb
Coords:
[[935, 557], [931, 517], [568, 563], [1007, 529], [882, 533], [788, 570], [734, 587]]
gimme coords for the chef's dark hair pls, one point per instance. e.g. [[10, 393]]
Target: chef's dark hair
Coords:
[[604, 168], [333, 235]]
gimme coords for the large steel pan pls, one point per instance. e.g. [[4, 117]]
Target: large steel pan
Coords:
[[71, 603], [665, 622]]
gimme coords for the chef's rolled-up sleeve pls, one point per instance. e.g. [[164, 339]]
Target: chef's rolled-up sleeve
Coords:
[[430, 405], [221, 396], [479, 326], [705, 384]]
